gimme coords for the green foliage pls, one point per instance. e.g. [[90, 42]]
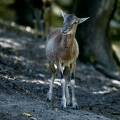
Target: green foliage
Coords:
[[5, 12], [115, 29]]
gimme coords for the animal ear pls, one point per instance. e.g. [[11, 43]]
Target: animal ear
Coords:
[[63, 14], [81, 20]]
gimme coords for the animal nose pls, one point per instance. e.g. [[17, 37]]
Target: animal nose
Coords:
[[81, 20]]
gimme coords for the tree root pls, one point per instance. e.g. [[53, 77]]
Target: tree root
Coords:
[[108, 73]]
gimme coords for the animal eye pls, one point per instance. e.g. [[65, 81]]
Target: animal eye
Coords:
[[74, 22], [77, 22]]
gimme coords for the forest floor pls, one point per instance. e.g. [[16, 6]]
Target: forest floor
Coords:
[[24, 80]]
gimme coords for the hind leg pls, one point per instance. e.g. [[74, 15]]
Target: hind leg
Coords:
[[50, 92], [72, 85], [74, 101]]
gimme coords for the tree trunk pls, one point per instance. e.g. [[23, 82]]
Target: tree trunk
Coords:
[[92, 35]]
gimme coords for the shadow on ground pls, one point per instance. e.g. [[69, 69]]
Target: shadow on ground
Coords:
[[24, 84]]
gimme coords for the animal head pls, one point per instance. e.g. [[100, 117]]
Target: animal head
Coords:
[[71, 21]]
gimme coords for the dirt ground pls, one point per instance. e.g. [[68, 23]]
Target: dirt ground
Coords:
[[24, 80]]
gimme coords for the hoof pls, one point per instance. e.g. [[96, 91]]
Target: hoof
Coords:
[[75, 107], [69, 104], [62, 108], [48, 100], [63, 104], [49, 97]]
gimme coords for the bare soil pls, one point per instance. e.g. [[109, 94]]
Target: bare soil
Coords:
[[24, 85]]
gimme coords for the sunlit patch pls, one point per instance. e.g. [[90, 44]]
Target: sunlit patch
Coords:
[[7, 77], [9, 43], [42, 46], [56, 9], [36, 81], [12, 23], [16, 59], [46, 65], [55, 66], [28, 29], [41, 75], [20, 58], [106, 90], [116, 82], [56, 81]]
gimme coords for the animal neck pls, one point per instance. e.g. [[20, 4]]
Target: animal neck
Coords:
[[71, 32], [68, 40]]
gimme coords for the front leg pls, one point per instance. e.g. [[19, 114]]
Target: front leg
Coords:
[[53, 72], [63, 101], [68, 95], [72, 85], [66, 74], [50, 92]]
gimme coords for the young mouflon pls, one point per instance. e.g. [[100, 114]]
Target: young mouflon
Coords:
[[62, 51]]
